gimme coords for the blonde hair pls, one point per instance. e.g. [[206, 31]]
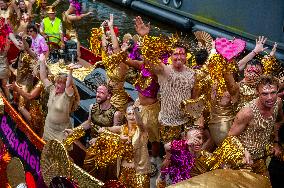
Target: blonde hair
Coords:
[[126, 37], [75, 101]]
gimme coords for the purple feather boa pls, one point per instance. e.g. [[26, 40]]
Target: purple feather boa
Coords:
[[77, 6], [181, 163]]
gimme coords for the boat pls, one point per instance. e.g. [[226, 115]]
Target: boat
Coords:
[[239, 19], [19, 138]]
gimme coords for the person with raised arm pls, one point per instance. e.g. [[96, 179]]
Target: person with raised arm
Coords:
[[176, 82], [63, 100], [113, 59]]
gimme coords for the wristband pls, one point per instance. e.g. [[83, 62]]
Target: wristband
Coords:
[[254, 52]]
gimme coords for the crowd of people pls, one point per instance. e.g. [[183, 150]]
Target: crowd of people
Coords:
[[203, 112]]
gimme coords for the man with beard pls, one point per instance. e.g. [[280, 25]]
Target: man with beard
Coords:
[[255, 124], [102, 115]]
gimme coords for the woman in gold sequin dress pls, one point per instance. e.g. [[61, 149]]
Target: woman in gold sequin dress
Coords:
[[113, 60], [34, 112], [134, 163]]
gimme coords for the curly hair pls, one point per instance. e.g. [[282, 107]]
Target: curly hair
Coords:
[[267, 80]]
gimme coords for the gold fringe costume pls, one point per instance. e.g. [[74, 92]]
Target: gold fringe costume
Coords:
[[149, 115], [247, 94], [116, 74], [129, 178], [221, 119], [135, 152]]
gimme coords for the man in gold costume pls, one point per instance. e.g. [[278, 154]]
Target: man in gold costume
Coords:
[[255, 124], [176, 84], [102, 115]]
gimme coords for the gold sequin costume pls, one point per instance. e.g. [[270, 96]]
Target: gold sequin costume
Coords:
[[116, 75], [137, 152], [149, 115], [225, 178], [247, 94], [37, 113], [221, 119], [101, 118], [70, 28], [257, 135], [174, 89]]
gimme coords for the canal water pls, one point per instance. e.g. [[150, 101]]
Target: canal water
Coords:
[[123, 19]]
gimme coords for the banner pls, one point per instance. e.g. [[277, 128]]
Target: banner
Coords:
[[19, 145]]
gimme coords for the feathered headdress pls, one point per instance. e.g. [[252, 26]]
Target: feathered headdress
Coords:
[[76, 5]]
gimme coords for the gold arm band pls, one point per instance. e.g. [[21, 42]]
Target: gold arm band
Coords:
[[78, 132], [231, 152]]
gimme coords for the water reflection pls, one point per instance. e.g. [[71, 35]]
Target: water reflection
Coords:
[[123, 18]]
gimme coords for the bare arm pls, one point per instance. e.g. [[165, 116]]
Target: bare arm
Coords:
[[242, 119], [27, 95], [43, 73], [69, 83], [79, 17], [258, 49], [114, 40], [117, 118], [232, 86], [134, 63]]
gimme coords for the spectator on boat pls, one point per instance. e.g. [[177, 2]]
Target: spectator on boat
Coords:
[[63, 100], [102, 115], [70, 17], [39, 45], [22, 68], [51, 28], [133, 162], [147, 86]]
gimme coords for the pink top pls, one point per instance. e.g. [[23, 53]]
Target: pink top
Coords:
[[152, 88], [39, 45]]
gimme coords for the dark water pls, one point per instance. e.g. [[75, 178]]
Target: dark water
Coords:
[[123, 19]]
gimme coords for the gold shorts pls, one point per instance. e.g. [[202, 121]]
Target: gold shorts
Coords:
[[130, 179], [149, 115]]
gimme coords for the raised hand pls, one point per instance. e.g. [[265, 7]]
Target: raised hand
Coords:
[[141, 28], [110, 21], [273, 51], [259, 44]]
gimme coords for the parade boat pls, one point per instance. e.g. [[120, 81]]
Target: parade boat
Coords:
[[19, 139], [240, 19]]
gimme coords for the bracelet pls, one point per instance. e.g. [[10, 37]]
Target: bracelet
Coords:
[[254, 52]]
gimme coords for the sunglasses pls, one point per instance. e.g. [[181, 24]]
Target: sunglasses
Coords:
[[29, 31]]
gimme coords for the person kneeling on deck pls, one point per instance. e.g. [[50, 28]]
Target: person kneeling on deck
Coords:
[[102, 114], [51, 28]]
